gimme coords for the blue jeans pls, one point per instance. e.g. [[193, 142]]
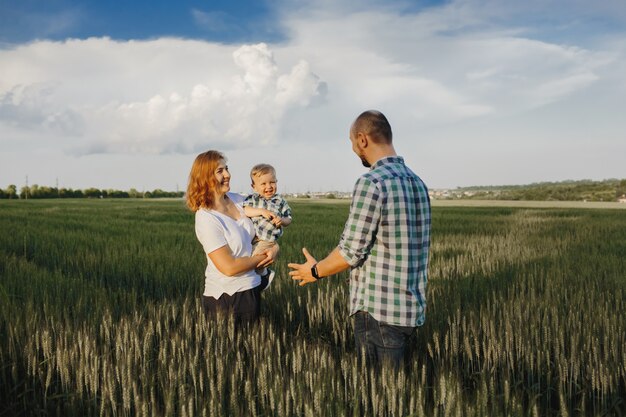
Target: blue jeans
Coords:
[[380, 342]]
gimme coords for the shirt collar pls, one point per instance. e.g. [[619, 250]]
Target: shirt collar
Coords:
[[387, 160], [260, 197]]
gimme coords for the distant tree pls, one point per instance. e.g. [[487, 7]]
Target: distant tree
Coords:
[[117, 194], [158, 193], [37, 191], [33, 191], [11, 192], [92, 193], [620, 190]]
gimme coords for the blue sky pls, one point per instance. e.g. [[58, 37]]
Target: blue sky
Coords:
[[479, 92], [216, 20]]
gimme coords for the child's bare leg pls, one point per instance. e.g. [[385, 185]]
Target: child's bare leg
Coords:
[[259, 247]]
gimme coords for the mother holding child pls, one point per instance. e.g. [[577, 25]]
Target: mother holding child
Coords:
[[233, 280]]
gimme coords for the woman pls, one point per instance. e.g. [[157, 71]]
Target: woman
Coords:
[[226, 234]]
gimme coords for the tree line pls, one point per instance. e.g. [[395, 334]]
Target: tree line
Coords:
[[583, 190], [39, 192]]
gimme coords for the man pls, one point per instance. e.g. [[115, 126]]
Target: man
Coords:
[[385, 242]]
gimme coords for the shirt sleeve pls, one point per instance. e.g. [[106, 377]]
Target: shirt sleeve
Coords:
[[285, 209], [361, 227], [210, 232], [248, 201]]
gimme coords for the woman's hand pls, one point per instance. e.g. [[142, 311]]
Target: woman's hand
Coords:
[[270, 256]]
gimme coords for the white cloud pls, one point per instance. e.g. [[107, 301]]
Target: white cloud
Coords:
[[300, 87], [462, 83], [421, 62], [30, 107], [232, 109]]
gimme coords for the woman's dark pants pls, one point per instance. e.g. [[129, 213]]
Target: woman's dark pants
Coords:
[[245, 306]]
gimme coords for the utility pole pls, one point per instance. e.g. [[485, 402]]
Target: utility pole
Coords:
[[58, 193], [26, 187]]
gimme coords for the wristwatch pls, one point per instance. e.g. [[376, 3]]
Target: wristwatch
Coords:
[[314, 272]]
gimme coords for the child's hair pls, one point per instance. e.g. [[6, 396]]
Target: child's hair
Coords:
[[261, 169]]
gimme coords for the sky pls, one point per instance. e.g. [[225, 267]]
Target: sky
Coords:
[[120, 95]]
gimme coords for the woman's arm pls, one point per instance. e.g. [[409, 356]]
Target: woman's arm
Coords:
[[229, 265]]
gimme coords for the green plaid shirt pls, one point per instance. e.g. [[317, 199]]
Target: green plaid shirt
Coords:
[[386, 241], [265, 230]]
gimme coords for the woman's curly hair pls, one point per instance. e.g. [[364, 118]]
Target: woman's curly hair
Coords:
[[202, 182]]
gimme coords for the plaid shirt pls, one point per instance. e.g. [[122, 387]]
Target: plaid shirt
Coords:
[[386, 241], [265, 230]]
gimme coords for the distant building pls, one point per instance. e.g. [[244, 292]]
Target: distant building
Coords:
[[622, 199], [439, 194]]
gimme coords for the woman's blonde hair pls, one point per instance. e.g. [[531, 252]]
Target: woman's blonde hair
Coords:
[[202, 182]]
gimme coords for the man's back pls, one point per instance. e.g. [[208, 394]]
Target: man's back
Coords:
[[389, 233], [385, 242]]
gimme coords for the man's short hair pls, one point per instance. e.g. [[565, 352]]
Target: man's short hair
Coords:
[[374, 124], [261, 169]]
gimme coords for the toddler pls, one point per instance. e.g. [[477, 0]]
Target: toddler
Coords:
[[268, 211]]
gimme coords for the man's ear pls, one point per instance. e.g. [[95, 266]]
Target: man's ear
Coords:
[[362, 139]]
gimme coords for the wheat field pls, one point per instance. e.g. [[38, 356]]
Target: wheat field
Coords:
[[100, 316]]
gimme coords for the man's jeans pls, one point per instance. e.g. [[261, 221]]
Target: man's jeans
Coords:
[[380, 342]]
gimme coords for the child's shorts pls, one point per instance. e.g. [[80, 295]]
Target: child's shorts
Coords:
[[261, 246]]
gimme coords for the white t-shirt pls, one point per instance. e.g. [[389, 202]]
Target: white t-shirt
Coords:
[[215, 230]]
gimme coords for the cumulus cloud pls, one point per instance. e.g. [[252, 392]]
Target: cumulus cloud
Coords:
[[443, 64], [229, 110], [523, 78], [30, 107]]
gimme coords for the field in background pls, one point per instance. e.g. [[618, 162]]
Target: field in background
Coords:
[[530, 204], [99, 315], [495, 203]]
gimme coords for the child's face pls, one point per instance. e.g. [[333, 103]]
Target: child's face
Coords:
[[265, 185]]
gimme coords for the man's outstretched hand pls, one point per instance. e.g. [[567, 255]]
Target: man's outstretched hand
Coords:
[[302, 272]]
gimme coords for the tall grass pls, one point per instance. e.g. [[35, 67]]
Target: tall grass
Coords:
[[100, 316]]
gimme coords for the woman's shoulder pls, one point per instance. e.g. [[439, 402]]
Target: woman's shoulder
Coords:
[[204, 215], [202, 212], [209, 223], [236, 198]]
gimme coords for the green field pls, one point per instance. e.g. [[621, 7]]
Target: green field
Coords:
[[100, 315]]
